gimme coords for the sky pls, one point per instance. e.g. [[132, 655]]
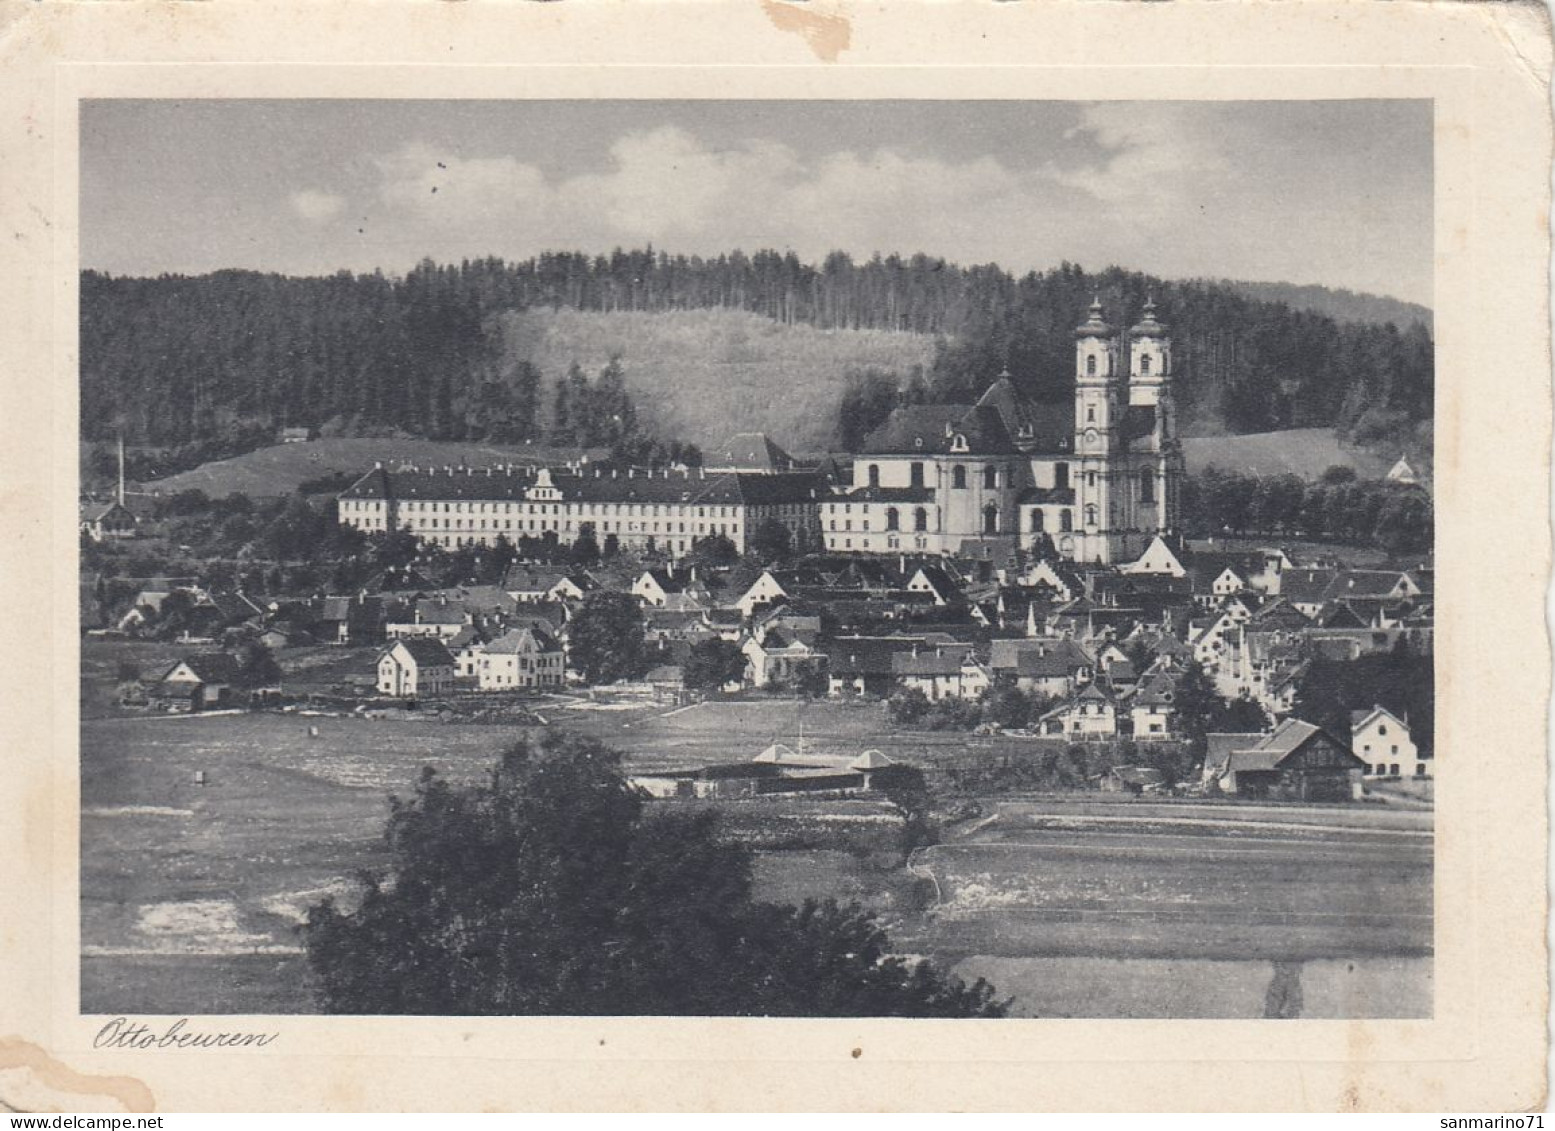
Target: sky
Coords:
[[1337, 193]]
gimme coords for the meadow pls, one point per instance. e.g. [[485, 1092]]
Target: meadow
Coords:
[[205, 839]]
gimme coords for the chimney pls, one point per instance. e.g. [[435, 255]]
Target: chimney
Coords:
[[612, 473]]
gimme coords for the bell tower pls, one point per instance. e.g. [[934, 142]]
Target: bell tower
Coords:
[[1096, 414], [1157, 465]]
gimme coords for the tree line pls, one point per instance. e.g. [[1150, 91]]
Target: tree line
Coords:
[[1337, 507], [175, 360]]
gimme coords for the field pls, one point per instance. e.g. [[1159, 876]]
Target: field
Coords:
[[1307, 452], [281, 468], [1079, 904], [702, 375]]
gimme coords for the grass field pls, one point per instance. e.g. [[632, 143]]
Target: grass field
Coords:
[[701, 375], [1307, 452], [191, 893]]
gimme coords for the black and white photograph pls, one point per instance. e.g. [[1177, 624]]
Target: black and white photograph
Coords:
[[835, 558]]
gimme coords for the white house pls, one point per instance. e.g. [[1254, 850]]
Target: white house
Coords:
[[417, 666], [1382, 740], [525, 657], [1091, 712], [1158, 558]]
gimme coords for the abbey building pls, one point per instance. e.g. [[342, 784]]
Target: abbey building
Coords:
[[1098, 478], [1093, 479]]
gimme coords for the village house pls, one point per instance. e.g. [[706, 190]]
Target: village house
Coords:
[[1053, 667], [414, 666], [1296, 761], [523, 658], [103, 521], [1090, 714], [945, 671], [1151, 707], [1382, 740], [204, 681], [777, 656], [429, 617]]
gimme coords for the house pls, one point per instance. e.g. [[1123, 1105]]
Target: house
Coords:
[[523, 658], [203, 681], [1159, 557], [413, 666], [1401, 472], [777, 656], [296, 435], [431, 617], [101, 521], [862, 665], [531, 583], [1090, 714], [1052, 667], [942, 672], [1382, 740], [656, 587], [936, 582], [1151, 708], [1295, 761], [466, 648]]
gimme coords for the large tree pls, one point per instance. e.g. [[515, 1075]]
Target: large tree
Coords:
[[605, 638], [553, 888]]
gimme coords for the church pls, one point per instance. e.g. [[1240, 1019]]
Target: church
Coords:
[[1095, 479]]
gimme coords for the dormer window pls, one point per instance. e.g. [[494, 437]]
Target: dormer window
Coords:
[[958, 443]]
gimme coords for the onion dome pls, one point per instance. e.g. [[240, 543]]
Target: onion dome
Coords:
[[1095, 326], [1147, 326]]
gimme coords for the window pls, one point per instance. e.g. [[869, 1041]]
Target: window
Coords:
[[1066, 520], [1144, 365], [1147, 486], [920, 520], [990, 519], [990, 478], [1383, 729], [1061, 476], [892, 520], [1395, 769], [874, 475], [1038, 522], [1090, 365], [1090, 479], [917, 475], [1090, 514], [958, 477], [1090, 414]]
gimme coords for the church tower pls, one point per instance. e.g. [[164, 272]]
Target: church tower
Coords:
[[1096, 422], [1156, 463]]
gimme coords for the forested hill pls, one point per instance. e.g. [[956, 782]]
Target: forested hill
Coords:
[[233, 355], [1338, 303]]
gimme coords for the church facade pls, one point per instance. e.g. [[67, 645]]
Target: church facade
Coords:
[[1096, 479]]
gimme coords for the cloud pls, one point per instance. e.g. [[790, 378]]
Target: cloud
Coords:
[[668, 186], [1151, 156], [317, 207], [451, 192]]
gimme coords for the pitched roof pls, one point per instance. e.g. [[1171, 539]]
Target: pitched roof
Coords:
[[209, 667], [657, 486], [749, 451], [523, 641], [932, 429], [426, 652]]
